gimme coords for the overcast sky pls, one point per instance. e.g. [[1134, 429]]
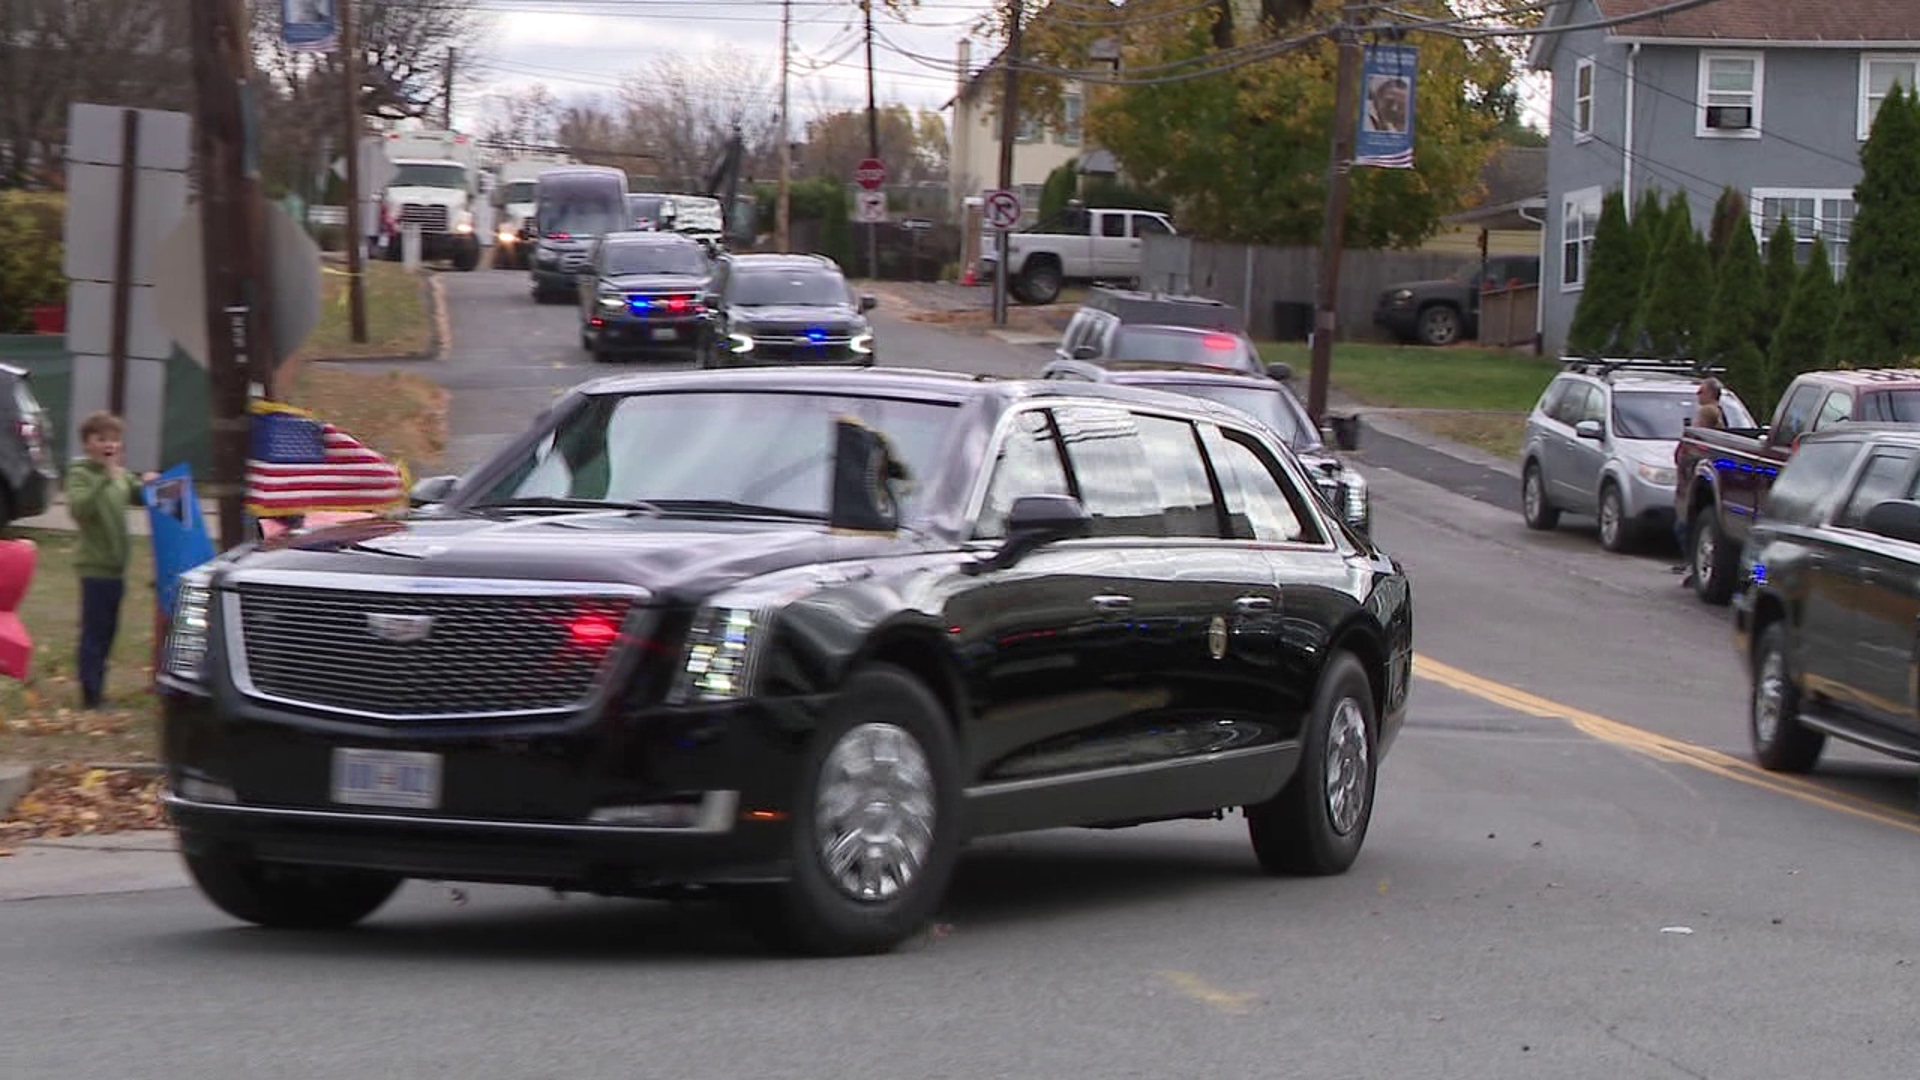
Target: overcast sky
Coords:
[[583, 48]]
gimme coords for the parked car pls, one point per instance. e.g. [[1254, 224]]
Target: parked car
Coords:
[[794, 636], [1086, 245], [645, 293], [1601, 441], [1447, 311], [1267, 397], [785, 309], [1724, 476], [1120, 324], [1828, 620], [574, 206], [28, 474]]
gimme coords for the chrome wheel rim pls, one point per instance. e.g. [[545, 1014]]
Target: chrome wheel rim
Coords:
[[1769, 698], [1610, 518], [1348, 774], [1704, 549], [874, 814]]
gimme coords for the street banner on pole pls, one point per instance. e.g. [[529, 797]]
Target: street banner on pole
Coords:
[[1387, 83], [309, 25]]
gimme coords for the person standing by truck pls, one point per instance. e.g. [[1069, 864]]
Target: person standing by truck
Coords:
[[1710, 416]]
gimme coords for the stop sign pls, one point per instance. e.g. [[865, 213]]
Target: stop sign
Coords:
[[870, 174]]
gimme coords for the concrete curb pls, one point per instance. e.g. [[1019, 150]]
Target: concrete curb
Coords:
[[15, 781]]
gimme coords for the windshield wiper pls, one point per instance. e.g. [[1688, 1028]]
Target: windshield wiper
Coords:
[[729, 507], [561, 502]]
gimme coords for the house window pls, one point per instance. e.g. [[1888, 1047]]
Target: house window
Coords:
[[1579, 215], [1070, 113], [1878, 75], [1731, 86], [1029, 129], [1583, 100], [1811, 212]]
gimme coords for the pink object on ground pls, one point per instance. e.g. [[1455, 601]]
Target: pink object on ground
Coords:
[[17, 559]]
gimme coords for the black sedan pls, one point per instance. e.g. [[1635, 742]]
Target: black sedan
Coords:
[[644, 294], [789, 638]]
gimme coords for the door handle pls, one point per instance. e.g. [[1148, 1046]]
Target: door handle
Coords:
[[1253, 605], [1113, 603]]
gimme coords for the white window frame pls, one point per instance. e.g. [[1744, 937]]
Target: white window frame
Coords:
[[1577, 206], [1707, 57], [1072, 119], [1764, 226], [1583, 102], [1867, 60]]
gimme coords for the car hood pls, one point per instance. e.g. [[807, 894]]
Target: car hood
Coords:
[[797, 316], [1658, 452], [677, 560], [656, 282]]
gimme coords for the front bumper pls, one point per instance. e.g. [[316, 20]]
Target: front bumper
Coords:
[[622, 329], [1401, 322], [1647, 501], [521, 803]]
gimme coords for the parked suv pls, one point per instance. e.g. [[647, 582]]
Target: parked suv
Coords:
[[27, 471], [1120, 324], [1448, 310], [1601, 441], [785, 309]]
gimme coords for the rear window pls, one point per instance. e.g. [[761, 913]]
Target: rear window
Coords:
[[1893, 406], [1179, 347], [582, 207]]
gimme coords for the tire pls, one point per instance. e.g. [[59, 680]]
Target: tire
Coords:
[[288, 897], [1617, 531], [6, 507], [1439, 325], [466, 259], [882, 714], [1781, 743], [1715, 561], [1040, 284], [1305, 829], [1541, 515]]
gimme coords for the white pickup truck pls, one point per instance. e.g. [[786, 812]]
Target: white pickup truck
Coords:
[[1087, 245]]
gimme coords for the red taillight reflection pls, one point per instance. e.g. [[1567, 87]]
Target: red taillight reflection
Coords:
[[1220, 342], [559, 236], [677, 303], [593, 631]]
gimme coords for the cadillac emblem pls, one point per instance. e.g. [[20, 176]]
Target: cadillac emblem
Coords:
[[397, 628], [1217, 638]]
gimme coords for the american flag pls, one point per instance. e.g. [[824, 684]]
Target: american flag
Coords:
[[1401, 160], [300, 464]]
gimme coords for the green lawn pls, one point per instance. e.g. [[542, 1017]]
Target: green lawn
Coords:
[[1412, 377], [399, 319]]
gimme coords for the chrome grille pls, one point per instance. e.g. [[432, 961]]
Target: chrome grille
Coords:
[[429, 218], [484, 655]]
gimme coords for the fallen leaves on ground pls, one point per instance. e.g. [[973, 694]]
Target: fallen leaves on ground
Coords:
[[82, 800], [43, 720]]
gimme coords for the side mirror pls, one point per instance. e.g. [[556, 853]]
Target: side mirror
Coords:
[[865, 475], [1034, 522], [869, 302], [1279, 372], [1895, 519], [1343, 432], [433, 489], [1589, 429], [1086, 352]]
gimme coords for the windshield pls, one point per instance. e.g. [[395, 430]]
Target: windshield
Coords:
[[767, 449], [646, 207], [694, 214], [770, 288], [1662, 414], [1275, 408], [520, 191], [578, 212], [683, 257], [429, 174], [1177, 347]]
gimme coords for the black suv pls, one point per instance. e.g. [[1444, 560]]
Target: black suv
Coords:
[[793, 637], [645, 292], [27, 472], [1828, 619], [785, 309]]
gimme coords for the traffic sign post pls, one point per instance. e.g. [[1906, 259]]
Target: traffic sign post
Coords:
[[870, 207], [1001, 211], [871, 174]]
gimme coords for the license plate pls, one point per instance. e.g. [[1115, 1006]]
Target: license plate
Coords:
[[665, 333], [393, 778]]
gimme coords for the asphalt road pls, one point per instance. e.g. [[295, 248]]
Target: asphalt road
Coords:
[[1569, 796]]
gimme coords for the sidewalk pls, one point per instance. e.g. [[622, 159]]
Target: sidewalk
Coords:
[[126, 862], [57, 518]]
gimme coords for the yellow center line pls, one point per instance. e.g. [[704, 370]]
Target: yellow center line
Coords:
[[1661, 747], [1206, 993]]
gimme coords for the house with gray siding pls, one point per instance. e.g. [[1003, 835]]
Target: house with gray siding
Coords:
[[1770, 97]]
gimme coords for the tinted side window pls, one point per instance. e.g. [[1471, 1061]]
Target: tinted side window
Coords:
[[1145, 225], [1837, 410], [1029, 464], [1795, 414], [1262, 502], [1550, 400], [1808, 484], [1572, 404], [1113, 225], [1111, 469], [1180, 476], [1879, 481]]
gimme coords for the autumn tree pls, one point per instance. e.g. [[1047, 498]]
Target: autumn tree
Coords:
[[686, 107], [1611, 296], [913, 145], [528, 116], [1800, 341], [1879, 323]]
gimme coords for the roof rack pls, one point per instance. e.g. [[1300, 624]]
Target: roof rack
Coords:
[[1605, 367]]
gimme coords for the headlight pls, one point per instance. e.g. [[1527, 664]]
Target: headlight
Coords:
[[862, 344], [1356, 508], [1655, 474], [720, 655], [187, 636], [739, 343], [464, 227], [505, 236], [1401, 296], [613, 303], [547, 256]]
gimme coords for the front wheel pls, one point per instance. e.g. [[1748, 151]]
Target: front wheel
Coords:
[[1439, 325], [1616, 530], [1040, 284], [1780, 741], [1540, 513], [285, 897], [1318, 822], [875, 824], [1715, 561]]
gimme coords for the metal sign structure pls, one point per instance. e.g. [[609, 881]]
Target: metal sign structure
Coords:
[[870, 207], [870, 174], [1002, 210]]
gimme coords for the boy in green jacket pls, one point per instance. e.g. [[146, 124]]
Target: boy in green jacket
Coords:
[[99, 491]]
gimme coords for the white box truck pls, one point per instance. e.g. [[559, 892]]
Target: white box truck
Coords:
[[514, 196], [435, 185]]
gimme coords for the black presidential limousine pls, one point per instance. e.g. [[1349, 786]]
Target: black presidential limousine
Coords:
[[788, 637]]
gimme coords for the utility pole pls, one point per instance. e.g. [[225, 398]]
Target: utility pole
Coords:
[[220, 43], [782, 205], [1009, 119], [873, 147], [1333, 229], [356, 227], [446, 91]]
